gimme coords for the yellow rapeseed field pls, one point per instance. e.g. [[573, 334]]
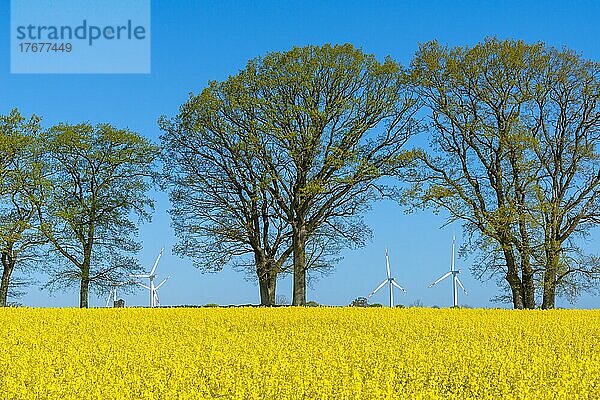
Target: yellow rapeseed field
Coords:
[[298, 353]]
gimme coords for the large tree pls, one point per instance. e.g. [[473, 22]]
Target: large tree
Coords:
[[334, 121], [223, 212], [21, 180], [100, 181], [497, 146], [283, 156], [564, 124]]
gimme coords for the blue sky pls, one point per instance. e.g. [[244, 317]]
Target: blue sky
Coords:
[[197, 41]]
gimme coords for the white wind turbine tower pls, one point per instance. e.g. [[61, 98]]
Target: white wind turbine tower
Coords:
[[390, 281], [454, 273], [151, 288]]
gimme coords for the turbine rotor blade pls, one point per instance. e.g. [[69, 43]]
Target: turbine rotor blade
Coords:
[[156, 262], [144, 286], [398, 286], [461, 285], [441, 279], [453, 246], [387, 264], [160, 284], [378, 287]]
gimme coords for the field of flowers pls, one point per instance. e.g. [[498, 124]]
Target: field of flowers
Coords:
[[298, 353]]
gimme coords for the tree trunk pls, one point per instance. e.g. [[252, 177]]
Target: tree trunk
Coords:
[[84, 285], [299, 250], [267, 281], [526, 270], [552, 261], [548, 302], [523, 247], [512, 277], [528, 284], [8, 264]]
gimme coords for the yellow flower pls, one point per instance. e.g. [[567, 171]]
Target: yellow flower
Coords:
[[299, 353]]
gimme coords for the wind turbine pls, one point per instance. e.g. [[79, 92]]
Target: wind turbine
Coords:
[[151, 288], [390, 281], [113, 293], [454, 273]]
